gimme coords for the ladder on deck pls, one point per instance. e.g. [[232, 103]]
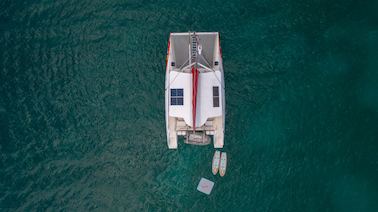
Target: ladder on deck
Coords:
[[193, 47]]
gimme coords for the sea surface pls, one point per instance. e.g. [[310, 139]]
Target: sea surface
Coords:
[[82, 123]]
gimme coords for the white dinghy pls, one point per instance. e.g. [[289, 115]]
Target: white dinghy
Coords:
[[194, 89]]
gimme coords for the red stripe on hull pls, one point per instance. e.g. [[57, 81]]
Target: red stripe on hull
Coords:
[[168, 51], [194, 99]]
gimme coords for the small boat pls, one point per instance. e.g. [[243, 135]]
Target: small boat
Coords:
[[223, 164], [216, 161], [194, 89]]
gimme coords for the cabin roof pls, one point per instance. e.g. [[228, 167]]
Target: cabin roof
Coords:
[[207, 96]]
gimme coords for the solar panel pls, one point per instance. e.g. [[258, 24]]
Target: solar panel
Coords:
[[177, 96], [215, 96], [180, 92], [216, 102], [215, 91], [173, 92], [180, 101], [173, 101]]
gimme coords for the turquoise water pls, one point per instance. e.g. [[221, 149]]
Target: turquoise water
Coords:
[[82, 112]]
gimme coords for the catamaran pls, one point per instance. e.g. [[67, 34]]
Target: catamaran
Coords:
[[194, 89]]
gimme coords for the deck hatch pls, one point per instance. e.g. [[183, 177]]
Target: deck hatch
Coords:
[[177, 96]]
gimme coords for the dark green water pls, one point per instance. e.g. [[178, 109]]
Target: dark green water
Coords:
[[82, 112]]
